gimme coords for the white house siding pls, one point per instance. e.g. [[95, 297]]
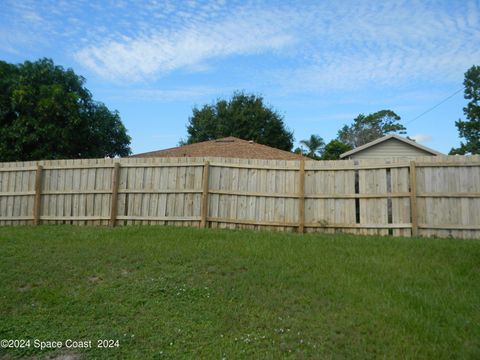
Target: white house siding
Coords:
[[390, 149]]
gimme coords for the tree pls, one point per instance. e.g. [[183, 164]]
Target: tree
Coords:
[[47, 113], [244, 116], [366, 128], [334, 149], [470, 129], [299, 151], [315, 145]]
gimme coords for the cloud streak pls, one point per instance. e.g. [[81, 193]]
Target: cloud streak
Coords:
[[165, 51]]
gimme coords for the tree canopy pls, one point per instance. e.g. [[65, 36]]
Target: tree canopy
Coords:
[[317, 150], [47, 113], [244, 116], [334, 149], [366, 128], [315, 145], [470, 129]]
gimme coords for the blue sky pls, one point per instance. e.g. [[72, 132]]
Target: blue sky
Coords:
[[318, 63]]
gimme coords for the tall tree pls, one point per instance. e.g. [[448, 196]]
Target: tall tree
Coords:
[[470, 129], [334, 149], [315, 145], [47, 113], [366, 128], [244, 116]]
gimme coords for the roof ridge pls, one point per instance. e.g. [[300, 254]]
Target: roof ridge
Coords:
[[229, 146]]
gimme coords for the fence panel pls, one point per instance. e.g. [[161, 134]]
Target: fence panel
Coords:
[[252, 194], [329, 197], [17, 192], [449, 197]]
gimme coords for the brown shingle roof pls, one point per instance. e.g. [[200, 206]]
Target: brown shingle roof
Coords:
[[226, 147]]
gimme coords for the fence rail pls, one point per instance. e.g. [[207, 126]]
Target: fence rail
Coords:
[[433, 196]]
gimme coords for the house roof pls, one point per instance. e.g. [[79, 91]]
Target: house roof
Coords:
[[388, 137], [225, 147]]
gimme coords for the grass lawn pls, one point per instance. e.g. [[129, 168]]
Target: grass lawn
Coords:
[[187, 293]]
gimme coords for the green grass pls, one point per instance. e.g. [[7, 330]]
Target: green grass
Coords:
[[188, 293]]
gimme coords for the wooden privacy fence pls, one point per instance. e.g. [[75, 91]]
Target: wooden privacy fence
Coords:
[[432, 196]]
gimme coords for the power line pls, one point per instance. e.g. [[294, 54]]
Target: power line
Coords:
[[434, 107]]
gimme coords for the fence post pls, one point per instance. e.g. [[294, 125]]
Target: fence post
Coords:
[[38, 195], [114, 200], [203, 221], [301, 197], [413, 198]]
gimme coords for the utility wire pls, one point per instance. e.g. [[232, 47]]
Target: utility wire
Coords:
[[434, 107]]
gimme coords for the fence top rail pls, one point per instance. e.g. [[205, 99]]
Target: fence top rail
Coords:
[[98, 166], [446, 164], [15, 169], [153, 165], [358, 167], [255, 166], [312, 168], [85, 166]]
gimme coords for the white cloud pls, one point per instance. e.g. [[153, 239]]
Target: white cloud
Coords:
[[166, 50], [422, 138]]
